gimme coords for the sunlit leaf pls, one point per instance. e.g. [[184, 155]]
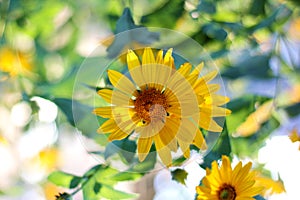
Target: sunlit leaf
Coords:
[[63, 179]]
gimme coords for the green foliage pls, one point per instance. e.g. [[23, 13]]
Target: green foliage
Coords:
[[222, 147], [96, 183], [169, 12], [179, 175], [127, 38], [64, 179]]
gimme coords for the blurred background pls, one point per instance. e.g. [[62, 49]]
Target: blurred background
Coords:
[[254, 43]]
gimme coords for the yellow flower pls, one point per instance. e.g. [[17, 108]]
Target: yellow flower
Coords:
[[14, 62], [225, 183], [270, 186], [294, 136], [161, 105]]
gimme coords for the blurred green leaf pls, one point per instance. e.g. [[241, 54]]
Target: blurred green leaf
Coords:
[[179, 175], [125, 148], [258, 197], [249, 146], [63, 179], [125, 176], [256, 66], [293, 110], [69, 107], [278, 16], [147, 165], [170, 12], [214, 31], [109, 192], [207, 6], [222, 147], [137, 34], [257, 7]]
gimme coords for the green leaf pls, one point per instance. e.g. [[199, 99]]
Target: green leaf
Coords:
[[97, 187], [138, 34], [206, 6], [63, 179], [293, 110], [179, 175], [170, 12], [252, 65], [125, 148], [125, 176], [214, 31], [99, 184], [279, 15], [257, 7], [109, 192], [222, 147], [147, 165], [258, 197]]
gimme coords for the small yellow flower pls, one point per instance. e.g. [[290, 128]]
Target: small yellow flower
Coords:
[[294, 136], [225, 183], [14, 62], [161, 105]]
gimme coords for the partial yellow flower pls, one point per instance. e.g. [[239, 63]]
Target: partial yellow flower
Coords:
[[255, 120], [161, 105], [270, 186], [14, 62], [294, 136], [225, 183]]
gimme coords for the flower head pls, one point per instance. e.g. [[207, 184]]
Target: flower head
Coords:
[[161, 105], [14, 62], [225, 183]]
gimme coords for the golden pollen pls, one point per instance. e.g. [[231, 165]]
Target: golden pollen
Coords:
[[226, 192], [150, 105]]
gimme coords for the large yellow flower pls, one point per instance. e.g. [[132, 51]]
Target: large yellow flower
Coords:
[[228, 184], [161, 105]]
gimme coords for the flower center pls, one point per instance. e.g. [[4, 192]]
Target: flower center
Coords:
[[226, 192], [151, 105]]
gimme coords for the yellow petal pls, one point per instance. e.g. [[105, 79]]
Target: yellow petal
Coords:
[[106, 94], [214, 111], [108, 126], [216, 99], [144, 145], [159, 57], [199, 140], [121, 82], [134, 68], [105, 112], [185, 148], [206, 122], [185, 69], [148, 67], [117, 135], [168, 59], [163, 151]]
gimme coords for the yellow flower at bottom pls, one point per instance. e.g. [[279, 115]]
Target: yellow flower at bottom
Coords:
[[225, 183], [161, 105]]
